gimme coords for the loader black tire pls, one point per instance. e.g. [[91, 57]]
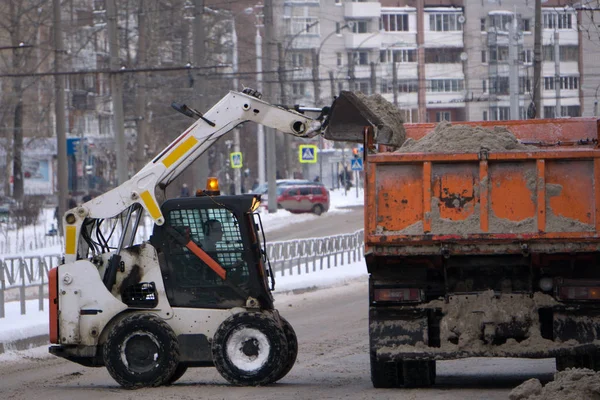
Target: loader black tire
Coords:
[[385, 375], [179, 372], [292, 344], [141, 351], [250, 349]]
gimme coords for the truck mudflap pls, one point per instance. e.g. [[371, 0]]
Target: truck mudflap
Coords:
[[484, 325]]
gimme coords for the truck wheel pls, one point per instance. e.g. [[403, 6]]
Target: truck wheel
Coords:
[[179, 371], [292, 344], [385, 375], [140, 351], [590, 361], [318, 209], [250, 349], [418, 373]]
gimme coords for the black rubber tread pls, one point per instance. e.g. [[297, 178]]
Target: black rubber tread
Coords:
[[385, 375], [292, 344], [277, 355], [318, 209], [589, 361], [179, 372], [168, 357], [418, 373]]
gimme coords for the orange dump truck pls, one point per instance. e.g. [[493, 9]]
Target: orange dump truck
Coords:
[[483, 254]]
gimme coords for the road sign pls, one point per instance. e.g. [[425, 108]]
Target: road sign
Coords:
[[235, 159], [356, 164], [307, 153]]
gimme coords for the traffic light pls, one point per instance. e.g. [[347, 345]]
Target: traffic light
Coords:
[[355, 152]]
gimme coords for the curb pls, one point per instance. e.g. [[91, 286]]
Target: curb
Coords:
[[24, 344]]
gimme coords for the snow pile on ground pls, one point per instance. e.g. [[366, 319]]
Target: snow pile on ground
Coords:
[[571, 384]]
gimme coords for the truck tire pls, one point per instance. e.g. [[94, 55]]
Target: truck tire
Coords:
[[385, 375], [590, 361], [250, 349], [140, 351], [292, 344], [179, 371], [418, 373]]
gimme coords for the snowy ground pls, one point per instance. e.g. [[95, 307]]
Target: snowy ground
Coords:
[[16, 326]]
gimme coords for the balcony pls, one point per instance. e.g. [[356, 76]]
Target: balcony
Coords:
[[362, 10], [362, 40]]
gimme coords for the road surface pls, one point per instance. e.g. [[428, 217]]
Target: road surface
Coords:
[[333, 363]]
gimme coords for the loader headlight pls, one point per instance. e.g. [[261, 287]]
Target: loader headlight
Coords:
[[70, 218], [546, 283]]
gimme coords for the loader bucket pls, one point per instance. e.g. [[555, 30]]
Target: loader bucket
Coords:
[[352, 111]]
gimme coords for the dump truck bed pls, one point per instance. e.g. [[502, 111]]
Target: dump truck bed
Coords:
[[543, 199]]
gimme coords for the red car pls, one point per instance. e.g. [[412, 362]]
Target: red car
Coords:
[[303, 198]]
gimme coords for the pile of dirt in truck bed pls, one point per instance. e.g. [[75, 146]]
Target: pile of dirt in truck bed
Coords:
[[448, 138], [571, 384]]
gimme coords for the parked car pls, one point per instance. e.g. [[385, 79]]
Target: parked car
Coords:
[[263, 188], [303, 198]]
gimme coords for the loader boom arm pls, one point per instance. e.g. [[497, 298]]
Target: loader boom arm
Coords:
[[232, 110]]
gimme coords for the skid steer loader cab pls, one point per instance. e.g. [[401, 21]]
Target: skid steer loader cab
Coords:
[[222, 227]]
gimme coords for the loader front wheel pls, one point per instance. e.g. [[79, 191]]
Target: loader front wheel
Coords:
[[250, 349], [141, 350]]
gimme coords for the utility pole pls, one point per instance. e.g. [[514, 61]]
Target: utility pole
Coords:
[[140, 101], [373, 79], [557, 113], [513, 56], [59, 110], [271, 148], [537, 60], [395, 82], [201, 167], [282, 80], [116, 89], [259, 128], [422, 106]]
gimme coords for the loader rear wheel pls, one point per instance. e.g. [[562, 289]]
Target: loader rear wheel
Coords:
[[292, 344], [250, 349], [179, 371], [141, 350]]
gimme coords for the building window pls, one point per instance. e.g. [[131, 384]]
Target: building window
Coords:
[[548, 53], [525, 25], [442, 116], [569, 53], [526, 57], [302, 26], [499, 85], [501, 22], [499, 113], [362, 86], [359, 26], [408, 86], [483, 56], [394, 22], [549, 112], [386, 86], [444, 22], [298, 88], [524, 85], [442, 55], [548, 83], [556, 19], [398, 56], [482, 26], [499, 53], [360, 57], [445, 85], [485, 116], [569, 82], [298, 60], [570, 111], [340, 86], [338, 2], [339, 59], [484, 86]]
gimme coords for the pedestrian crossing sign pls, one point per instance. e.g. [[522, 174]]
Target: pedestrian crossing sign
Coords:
[[357, 164], [307, 153], [235, 159]]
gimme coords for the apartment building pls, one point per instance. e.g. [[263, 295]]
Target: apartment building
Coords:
[[437, 60]]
